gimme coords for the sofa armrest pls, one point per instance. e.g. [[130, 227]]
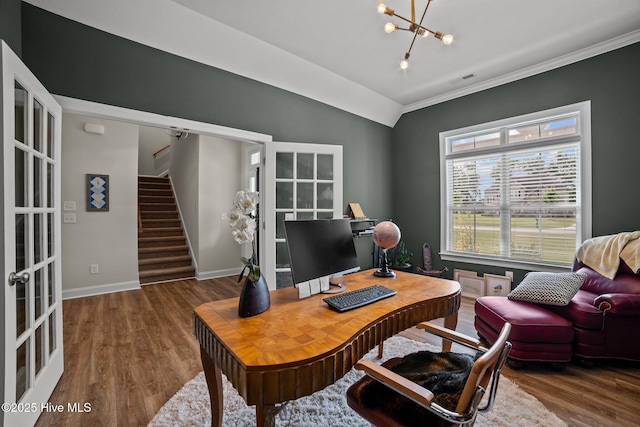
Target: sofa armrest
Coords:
[[619, 304]]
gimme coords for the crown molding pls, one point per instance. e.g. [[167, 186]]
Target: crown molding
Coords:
[[573, 57]]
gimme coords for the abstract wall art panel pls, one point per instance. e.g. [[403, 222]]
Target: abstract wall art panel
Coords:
[[97, 193]]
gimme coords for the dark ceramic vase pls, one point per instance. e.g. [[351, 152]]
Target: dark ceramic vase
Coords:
[[254, 298]]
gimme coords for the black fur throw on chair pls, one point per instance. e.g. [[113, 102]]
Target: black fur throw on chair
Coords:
[[445, 374]]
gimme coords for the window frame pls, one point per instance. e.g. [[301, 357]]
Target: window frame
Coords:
[[582, 112]]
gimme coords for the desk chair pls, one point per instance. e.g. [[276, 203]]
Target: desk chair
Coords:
[[403, 402]]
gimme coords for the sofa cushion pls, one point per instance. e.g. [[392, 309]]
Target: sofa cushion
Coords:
[[598, 284], [548, 288], [581, 311]]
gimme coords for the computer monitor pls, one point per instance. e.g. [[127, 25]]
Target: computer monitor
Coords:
[[320, 248]]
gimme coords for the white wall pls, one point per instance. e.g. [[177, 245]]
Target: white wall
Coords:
[[108, 239], [151, 140], [184, 176], [220, 178]]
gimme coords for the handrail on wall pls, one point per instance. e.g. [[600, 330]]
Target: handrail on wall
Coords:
[[157, 153]]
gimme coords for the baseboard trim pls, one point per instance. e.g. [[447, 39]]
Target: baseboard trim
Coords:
[[214, 274], [88, 291]]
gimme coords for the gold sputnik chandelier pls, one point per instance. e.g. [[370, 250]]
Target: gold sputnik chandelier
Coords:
[[415, 27]]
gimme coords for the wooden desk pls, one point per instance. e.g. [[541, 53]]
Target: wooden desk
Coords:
[[298, 347]]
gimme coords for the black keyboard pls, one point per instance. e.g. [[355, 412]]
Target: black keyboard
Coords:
[[358, 298]]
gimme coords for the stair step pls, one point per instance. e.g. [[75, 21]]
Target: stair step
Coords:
[[165, 274], [155, 185], [159, 215], [145, 179], [157, 206], [160, 223], [156, 199], [161, 232], [154, 192], [164, 262], [149, 242], [162, 251]]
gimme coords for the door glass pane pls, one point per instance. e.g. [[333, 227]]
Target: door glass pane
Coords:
[[20, 113], [305, 166], [282, 255], [50, 236], [325, 215], [51, 126], [304, 215], [325, 166], [37, 238], [22, 307], [50, 187], [22, 372], [305, 195], [325, 195], [37, 182], [280, 216], [22, 225], [51, 282], [39, 293], [37, 125], [284, 195], [284, 165], [21, 194], [52, 332], [39, 348]]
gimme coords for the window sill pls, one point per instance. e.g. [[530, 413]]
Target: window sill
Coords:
[[498, 262]]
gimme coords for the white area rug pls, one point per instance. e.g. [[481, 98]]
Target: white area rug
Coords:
[[190, 406]]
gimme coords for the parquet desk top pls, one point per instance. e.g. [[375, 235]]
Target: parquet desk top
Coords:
[[299, 346]]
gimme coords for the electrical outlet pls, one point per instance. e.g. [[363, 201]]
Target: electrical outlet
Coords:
[[225, 216], [69, 206], [69, 218], [94, 268]]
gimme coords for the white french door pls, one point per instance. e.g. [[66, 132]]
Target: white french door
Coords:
[[302, 181], [32, 290]]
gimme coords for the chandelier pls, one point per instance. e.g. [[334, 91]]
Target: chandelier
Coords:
[[415, 27]]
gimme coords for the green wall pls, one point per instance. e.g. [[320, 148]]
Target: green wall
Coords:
[[78, 61], [10, 23], [610, 81]]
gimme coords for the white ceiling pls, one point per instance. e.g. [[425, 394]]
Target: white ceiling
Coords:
[[336, 51]]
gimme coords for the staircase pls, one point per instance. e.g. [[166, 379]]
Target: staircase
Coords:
[[163, 254]]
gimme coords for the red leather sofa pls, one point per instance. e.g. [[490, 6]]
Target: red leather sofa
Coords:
[[601, 321]]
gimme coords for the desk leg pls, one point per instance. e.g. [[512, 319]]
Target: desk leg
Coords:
[[450, 322], [214, 382], [266, 415]]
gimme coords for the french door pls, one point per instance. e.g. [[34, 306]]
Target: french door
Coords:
[[32, 290], [302, 181]]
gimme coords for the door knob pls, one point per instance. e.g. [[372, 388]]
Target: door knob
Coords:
[[22, 278]]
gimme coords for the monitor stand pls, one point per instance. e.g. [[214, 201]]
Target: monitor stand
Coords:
[[340, 288]]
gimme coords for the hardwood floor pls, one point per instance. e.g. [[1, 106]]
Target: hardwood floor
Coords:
[[127, 353]]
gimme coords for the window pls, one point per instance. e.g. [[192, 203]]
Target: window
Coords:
[[517, 192]]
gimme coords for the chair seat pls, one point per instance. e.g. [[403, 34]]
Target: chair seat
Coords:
[[379, 416]]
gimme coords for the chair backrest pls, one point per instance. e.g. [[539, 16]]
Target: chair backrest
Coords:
[[483, 369]]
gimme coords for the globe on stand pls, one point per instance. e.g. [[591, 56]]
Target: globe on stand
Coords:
[[386, 235]]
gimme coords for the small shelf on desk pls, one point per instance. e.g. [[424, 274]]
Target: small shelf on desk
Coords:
[[362, 227]]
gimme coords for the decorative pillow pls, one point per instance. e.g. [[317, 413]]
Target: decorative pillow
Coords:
[[548, 288]]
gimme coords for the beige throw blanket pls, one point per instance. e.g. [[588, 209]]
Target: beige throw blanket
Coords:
[[603, 253]]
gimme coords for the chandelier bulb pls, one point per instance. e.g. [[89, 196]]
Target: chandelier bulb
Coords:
[[405, 62], [447, 39], [390, 27], [423, 33], [381, 8]]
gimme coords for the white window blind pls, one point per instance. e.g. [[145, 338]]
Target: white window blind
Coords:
[[516, 192]]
